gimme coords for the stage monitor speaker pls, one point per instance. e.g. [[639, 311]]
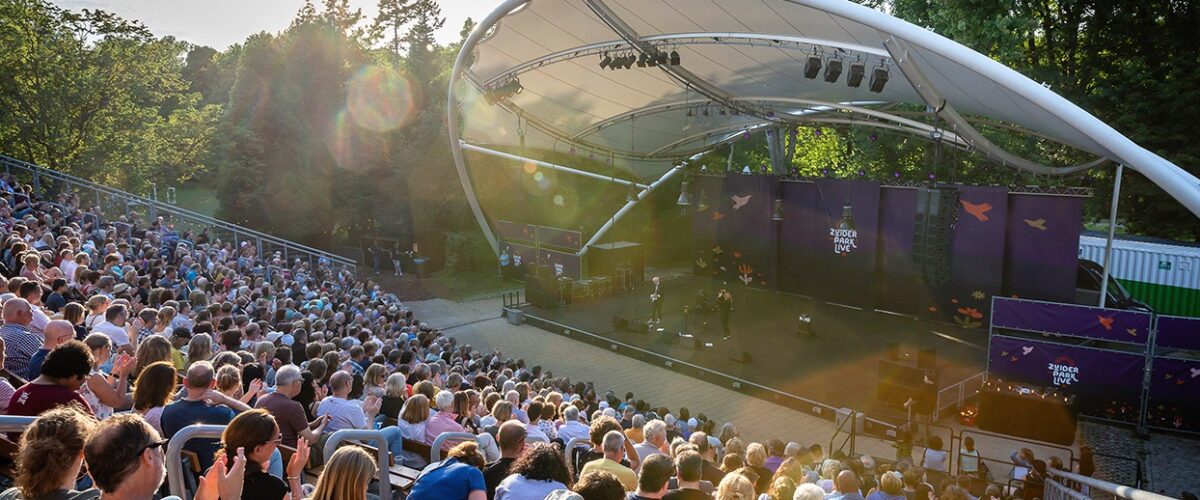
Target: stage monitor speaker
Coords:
[[624, 324], [933, 230], [901, 373], [893, 351], [927, 359], [620, 324]]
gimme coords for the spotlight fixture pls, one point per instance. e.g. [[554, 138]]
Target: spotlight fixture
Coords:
[[674, 58], [641, 63], [663, 59], [690, 113], [685, 197], [706, 111], [879, 78], [503, 91], [604, 63], [777, 213], [812, 67], [632, 195], [855, 78], [833, 70], [702, 205]]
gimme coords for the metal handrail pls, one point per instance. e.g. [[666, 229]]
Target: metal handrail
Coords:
[[1115, 489], [572, 444], [961, 388], [13, 423], [381, 448], [175, 446], [435, 452], [174, 210]]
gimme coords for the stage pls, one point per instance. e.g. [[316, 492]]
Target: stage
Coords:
[[834, 368]]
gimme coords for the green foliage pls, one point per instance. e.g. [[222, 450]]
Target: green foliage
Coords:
[[97, 96], [468, 251]]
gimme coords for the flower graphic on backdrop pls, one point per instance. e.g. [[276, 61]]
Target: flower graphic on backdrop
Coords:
[[747, 272], [968, 317], [978, 295]]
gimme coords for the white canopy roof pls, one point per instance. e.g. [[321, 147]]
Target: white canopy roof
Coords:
[[742, 66]]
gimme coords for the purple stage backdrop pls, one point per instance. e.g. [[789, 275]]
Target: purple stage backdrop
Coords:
[[1072, 320], [559, 237], [899, 289], [801, 244], [976, 256], [746, 249], [1178, 332], [845, 234], [563, 264], [1042, 246], [1174, 386], [704, 222], [515, 231], [1105, 383]]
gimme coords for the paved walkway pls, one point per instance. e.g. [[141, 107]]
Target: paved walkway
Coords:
[[478, 323]]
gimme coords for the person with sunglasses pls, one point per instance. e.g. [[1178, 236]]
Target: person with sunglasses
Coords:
[[257, 433], [126, 458]]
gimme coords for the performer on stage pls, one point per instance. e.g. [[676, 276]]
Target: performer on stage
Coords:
[[725, 305], [656, 300]]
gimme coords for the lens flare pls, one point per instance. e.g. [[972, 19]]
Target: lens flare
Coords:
[[379, 98], [530, 167]]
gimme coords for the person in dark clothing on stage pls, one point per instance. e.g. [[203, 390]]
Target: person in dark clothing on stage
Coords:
[[725, 305], [656, 300]]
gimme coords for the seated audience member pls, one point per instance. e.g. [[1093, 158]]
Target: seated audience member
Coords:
[[126, 458], [459, 476], [64, 372], [343, 413], [655, 474], [537, 472], [782, 488], [572, 427], [935, 458], [775, 450], [413, 417], [288, 413], [394, 392], [599, 485], [255, 435], [808, 491], [756, 456], [848, 487], [637, 423], [155, 387], [55, 334], [6, 387], [346, 476], [613, 447], [735, 487], [596, 432], [51, 456], [20, 344], [511, 438], [689, 468], [114, 326], [202, 405], [656, 443], [103, 391], [443, 420], [711, 472], [891, 487]]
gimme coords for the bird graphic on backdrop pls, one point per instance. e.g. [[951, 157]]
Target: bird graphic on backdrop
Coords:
[[1106, 322], [740, 201], [1039, 224], [979, 211]]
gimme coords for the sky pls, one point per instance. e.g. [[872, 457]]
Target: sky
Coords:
[[221, 23]]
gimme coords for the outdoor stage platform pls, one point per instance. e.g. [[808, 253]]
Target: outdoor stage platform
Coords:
[[835, 368]]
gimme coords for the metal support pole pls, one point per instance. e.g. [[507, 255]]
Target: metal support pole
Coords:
[[175, 446], [154, 203], [1112, 230], [381, 447]]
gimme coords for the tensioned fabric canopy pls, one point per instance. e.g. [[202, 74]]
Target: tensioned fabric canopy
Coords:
[[742, 66]]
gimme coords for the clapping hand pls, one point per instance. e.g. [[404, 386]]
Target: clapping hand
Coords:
[[371, 405], [222, 484], [124, 364], [296, 464], [322, 391], [256, 387]]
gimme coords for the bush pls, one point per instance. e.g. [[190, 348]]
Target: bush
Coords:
[[468, 251]]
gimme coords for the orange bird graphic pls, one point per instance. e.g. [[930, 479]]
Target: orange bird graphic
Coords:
[[1105, 322], [718, 216], [979, 211]]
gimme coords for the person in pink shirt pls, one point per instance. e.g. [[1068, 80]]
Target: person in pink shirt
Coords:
[[444, 420]]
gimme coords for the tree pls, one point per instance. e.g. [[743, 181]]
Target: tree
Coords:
[[390, 22]]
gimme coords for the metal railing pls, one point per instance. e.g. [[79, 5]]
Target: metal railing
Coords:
[[175, 447], [435, 449], [47, 181], [956, 395], [1062, 485], [381, 448]]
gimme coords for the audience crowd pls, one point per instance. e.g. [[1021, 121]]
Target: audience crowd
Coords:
[[118, 333]]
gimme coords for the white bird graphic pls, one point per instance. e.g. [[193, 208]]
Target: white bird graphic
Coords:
[[1195, 372], [741, 201], [1027, 350]]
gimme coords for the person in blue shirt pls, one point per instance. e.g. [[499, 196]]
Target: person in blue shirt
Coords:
[[203, 405], [459, 477]]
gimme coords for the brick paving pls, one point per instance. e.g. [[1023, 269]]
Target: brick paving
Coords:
[[1168, 459]]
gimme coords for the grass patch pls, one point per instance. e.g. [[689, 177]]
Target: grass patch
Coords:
[[462, 286]]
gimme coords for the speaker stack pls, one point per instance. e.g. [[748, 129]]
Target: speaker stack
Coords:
[[937, 212], [903, 379]]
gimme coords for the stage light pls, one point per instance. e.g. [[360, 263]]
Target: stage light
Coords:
[[503, 91], [702, 205], [606, 61], [642, 60], [706, 112], [674, 58], [632, 195], [663, 59], [690, 113], [879, 78], [847, 217], [812, 67], [833, 70], [685, 197], [855, 78], [777, 213]]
